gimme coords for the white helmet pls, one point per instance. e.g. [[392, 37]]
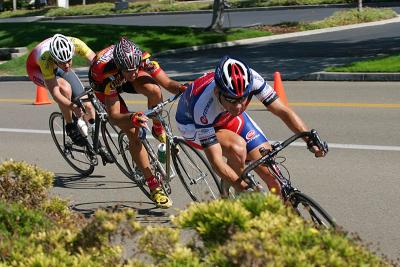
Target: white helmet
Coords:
[[61, 48]]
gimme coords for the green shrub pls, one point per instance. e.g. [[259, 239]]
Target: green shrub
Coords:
[[216, 221], [254, 230], [24, 183], [103, 227], [16, 220], [159, 242], [256, 203]]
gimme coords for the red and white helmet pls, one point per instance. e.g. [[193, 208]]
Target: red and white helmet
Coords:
[[127, 55], [233, 77]]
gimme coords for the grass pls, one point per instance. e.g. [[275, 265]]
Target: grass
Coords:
[[351, 16], [152, 39], [380, 64]]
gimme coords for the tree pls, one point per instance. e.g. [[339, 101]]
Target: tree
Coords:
[[217, 22], [359, 5]]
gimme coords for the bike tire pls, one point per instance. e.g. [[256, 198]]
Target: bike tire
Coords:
[[110, 134], [77, 157], [133, 174], [195, 172], [310, 210]]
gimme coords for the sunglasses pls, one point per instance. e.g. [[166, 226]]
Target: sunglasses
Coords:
[[234, 100], [63, 63], [130, 70]]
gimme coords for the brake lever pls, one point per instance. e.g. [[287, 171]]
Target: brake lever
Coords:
[[322, 145]]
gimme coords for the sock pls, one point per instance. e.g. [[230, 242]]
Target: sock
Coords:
[[158, 128], [152, 182]]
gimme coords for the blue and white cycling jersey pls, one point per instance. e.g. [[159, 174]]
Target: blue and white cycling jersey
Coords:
[[200, 113]]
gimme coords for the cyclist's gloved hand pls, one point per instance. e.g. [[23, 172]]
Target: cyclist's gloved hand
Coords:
[[318, 151], [183, 87], [77, 110], [138, 119]]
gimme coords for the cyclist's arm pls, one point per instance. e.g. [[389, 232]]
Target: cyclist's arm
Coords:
[[292, 120], [153, 68], [61, 100], [82, 49], [214, 156], [171, 85], [288, 116]]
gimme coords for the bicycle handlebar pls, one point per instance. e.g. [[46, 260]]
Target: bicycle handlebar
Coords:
[[91, 98], [278, 146], [78, 99], [158, 108]]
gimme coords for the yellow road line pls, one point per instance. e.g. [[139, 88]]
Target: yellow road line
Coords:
[[16, 100], [293, 104]]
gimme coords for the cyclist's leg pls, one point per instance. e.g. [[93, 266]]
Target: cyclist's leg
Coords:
[[234, 150], [76, 89], [255, 139], [139, 154], [232, 145], [146, 85]]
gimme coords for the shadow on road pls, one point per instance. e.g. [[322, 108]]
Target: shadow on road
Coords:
[[66, 180], [146, 212]]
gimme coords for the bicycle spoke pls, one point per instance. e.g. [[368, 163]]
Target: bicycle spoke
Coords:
[[76, 157]]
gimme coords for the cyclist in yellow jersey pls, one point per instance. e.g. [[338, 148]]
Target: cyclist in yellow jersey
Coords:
[[49, 65]]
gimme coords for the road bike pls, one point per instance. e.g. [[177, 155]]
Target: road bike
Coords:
[[83, 159], [193, 170], [301, 203]]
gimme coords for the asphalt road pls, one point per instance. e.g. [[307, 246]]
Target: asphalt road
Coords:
[[357, 182]]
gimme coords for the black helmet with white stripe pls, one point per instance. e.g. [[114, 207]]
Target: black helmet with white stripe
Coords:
[[127, 55], [61, 48]]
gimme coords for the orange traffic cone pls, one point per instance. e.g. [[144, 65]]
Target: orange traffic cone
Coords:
[[278, 87], [41, 96]]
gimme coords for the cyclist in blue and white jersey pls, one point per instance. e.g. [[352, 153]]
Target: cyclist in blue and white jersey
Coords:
[[211, 115]]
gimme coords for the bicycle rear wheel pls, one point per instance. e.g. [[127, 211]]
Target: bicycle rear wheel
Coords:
[[110, 135], [79, 158], [195, 172], [310, 210]]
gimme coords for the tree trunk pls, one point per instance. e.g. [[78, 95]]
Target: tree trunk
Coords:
[[217, 22], [14, 5], [360, 5]]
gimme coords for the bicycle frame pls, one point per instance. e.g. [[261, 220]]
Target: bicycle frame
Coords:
[[268, 159], [156, 112], [100, 115]]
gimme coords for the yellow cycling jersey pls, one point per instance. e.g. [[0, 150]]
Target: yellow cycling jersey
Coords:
[[46, 62]]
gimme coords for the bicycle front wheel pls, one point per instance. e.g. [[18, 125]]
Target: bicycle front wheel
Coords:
[[110, 135], [134, 173], [195, 172], [79, 158], [310, 210]]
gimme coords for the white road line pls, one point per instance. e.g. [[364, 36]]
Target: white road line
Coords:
[[353, 146], [331, 145]]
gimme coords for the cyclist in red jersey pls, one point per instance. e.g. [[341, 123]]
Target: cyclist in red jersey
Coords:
[[124, 68]]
